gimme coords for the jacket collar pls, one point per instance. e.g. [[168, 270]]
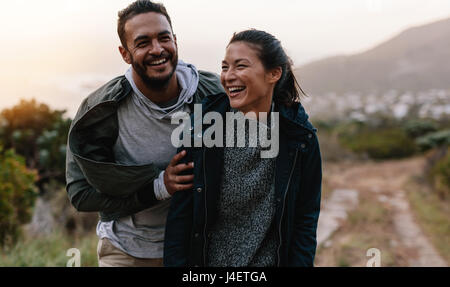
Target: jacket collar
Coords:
[[293, 117]]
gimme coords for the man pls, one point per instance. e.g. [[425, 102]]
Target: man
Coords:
[[120, 160]]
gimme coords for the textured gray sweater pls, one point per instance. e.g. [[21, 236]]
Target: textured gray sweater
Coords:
[[244, 234]]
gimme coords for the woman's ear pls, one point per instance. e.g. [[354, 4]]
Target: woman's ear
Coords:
[[275, 75]]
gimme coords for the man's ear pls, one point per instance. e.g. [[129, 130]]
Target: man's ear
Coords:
[[275, 75], [125, 55]]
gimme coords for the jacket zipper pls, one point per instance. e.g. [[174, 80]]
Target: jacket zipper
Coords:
[[206, 208], [284, 203]]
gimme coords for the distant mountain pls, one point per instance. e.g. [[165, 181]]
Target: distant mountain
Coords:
[[417, 59]]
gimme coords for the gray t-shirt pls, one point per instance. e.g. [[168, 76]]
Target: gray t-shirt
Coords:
[[142, 234], [145, 137]]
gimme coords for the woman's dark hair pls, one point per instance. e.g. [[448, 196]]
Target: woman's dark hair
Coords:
[[136, 8], [272, 55]]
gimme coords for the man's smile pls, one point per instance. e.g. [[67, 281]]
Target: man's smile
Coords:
[[158, 62]]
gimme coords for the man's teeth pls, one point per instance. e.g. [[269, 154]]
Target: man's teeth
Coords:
[[235, 89], [158, 62]]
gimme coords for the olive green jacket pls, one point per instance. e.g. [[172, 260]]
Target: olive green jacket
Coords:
[[95, 183]]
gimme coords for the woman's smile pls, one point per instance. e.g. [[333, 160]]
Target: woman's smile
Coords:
[[235, 91]]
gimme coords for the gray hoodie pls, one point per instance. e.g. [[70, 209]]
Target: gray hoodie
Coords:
[[145, 137]]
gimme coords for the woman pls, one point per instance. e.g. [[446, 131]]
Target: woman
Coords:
[[246, 210]]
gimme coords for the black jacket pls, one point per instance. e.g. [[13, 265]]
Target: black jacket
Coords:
[[297, 189], [95, 182]]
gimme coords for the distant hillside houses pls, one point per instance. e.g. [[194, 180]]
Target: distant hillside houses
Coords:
[[408, 75], [428, 104]]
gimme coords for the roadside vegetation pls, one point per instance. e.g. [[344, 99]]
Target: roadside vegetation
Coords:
[[351, 143]]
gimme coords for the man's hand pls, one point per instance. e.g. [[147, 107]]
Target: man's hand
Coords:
[[175, 182]]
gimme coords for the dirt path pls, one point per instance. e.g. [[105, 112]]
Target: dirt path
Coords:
[[411, 234], [334, 211], [387, 181]]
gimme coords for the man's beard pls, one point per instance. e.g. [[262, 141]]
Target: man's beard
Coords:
[[155, 83]]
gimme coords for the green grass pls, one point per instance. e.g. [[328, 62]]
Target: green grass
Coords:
[[354, 250], [367, 227], [433, 214], [368, 212], [50, 251]]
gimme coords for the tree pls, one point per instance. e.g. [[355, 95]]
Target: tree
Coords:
[[39, 134], [17, 194]]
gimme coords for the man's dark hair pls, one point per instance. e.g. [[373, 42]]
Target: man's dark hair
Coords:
[[136, 8]]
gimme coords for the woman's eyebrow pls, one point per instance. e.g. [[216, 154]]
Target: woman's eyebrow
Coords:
[[236, 61], [241, 60]]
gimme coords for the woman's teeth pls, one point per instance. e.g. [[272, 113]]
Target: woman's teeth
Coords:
[[236, 89]]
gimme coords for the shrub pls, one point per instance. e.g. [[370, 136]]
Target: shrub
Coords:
[[377, 143], [39, 134], [440, 175], [17, 195], [434, 140], [417, 128]]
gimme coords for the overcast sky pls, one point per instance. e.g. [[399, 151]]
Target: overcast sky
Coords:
[[54, 50]]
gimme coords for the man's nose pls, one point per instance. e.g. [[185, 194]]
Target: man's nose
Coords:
[[156, 49]]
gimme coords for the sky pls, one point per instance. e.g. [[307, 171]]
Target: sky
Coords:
[[58, 51]]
